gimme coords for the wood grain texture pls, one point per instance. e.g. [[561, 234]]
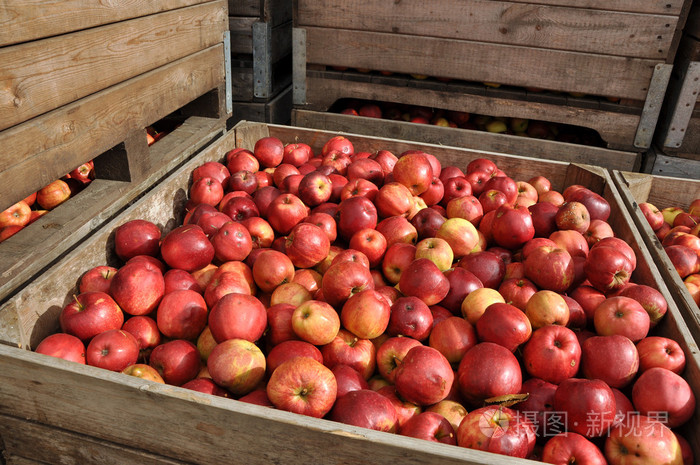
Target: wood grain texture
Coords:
[[479, 140], [61, 446], [60, 231], [617, 127], [274, 12], [498, 22], [480, 61], [24, 20], [676, 166], [40, 76], [55, 143], [672, 7], [225, 430]]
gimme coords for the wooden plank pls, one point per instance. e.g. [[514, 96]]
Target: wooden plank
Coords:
[[40, 76], [55, 143], [243, 75], [618, 128], [59, 231], [44, 444], [525, 24], [277, 110], [274, 12], [673, 7], [479, 140], [24, 20], [16, 460], [244, 8], [241, 34], [480, 61], [679, 167]]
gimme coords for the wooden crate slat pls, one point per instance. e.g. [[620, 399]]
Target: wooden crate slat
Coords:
[[504, 143], [524, 24], [672, 7], [24, 20], [274, 12], [618, 128], [479, 61], [60, 446], [40, 76], [55, 143], [241, 34]]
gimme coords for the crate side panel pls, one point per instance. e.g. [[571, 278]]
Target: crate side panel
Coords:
[[672, 7], [43, 75], [25, 20], [55, 143], [531, 25]]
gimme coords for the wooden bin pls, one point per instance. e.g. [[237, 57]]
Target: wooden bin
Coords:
[[82, 81], [261, 60], [662, 192], [619, 50], [53, 411]]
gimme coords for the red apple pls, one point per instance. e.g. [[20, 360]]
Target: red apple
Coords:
[[570, 448], [658, 351], [410, 317], [62, 345], [343, 280], [347, 349], [97, 278], [18, 214], [424, 376], [316, 322], [391, 353], [414, 171], [429, 426], [187, 247], [366, 314], [488, 370], [453, 337], [423, 279], [460, 234], [640, 439], [272, 268], [621, 315], [53, 194], [517, 291], [552, 354], [367, 409], [398, 229], [547, 308], [499, 430], [237, 365], [512, 226], [665, 394], [505, 325], [269, 151], [113, 350], [89, 314], [543, 218], [613, 359], [589, 406]]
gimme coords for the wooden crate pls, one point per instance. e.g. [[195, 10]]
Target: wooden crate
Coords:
[[277, 110], [555, 45], [50, 403], [74, 90], [261, 49], [662, 191], [481, 140]]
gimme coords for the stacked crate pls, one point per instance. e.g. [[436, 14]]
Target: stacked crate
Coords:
[[678, 137], [261, 60], [618, 54], [81, 81]]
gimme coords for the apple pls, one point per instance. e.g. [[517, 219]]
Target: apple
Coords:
[[97, 278], [640, 439], [18, 214], [410, 317], [348, 255], [365, 168], [662, 392], [223, 283], [424, 376], [89, 314], [547, 307], [143, 371], [354, 214], [187, 247], [396, 259], [237, 316], [538, 406], [499, 430], [272, 268], [476, 302], [651, 300], [366, 314], [62, 345], [485, 265], [290, 293], [241, 159], [613, 359], [552, 354], [414, 171], [550, 268], [306, 245], [453, 337], [367, 409], [543, 218], [279, 319], [451, 410], [347, 349], [684, 259], [621, 315], [658, 351], [460, 234], [182, 314], [462, 282], [436, 250], [429, 426], [455, 187], [348, 379], [467, 207], [370, 242], [206, 190], [398, 229], [359, 187], [316, 322], [423, 279], [237, 365], [393, 199], [269, 151], [113, 350], [504, 324], [512, 226], [53, 194], [570, 448], [488, 370], [344, 279], [288, 350], [315, 188], [589, 406], [607, 268], [391, 353], [517, 291]]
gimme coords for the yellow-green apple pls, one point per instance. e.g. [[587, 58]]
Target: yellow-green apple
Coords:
[[62, 345], [347, 349], [613, 359], [570, 447], [391, 353], [451, 410], [53, 194], [462, 282], [643, 440], [113, 350], [488, 370], [659, 351], [398, 229], [237, 365], [367, 409], [550, 268], [552, 354], [460, 234], [18, 214], [424, 376], [423, 279], [430, 426], [436, 250], [89, 314], [366, 314], [621, 315], [499, 430], [662, 392], [476, 302], [589, 406], [143, 371], [505, 325], [547, 307]]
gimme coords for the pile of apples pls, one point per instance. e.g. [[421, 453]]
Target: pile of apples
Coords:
[[679, 233], [394, 293], [29, 209]]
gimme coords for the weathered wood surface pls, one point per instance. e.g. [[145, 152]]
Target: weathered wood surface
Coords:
[[274, 12], [199, 428], [616, 124], [480, 140], [662, 192], [277, 110], [54, 143], [24, 20], [242, 41], [482, 61], [243, 75], [42, 75], [674, 166], [500, 22]]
